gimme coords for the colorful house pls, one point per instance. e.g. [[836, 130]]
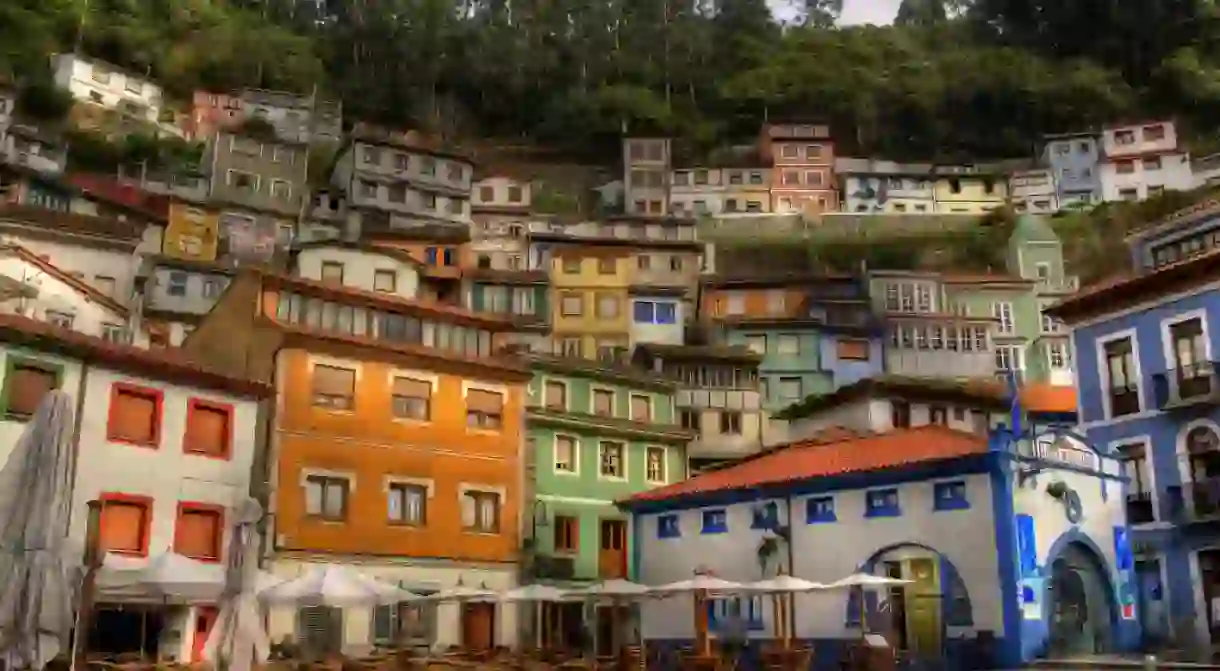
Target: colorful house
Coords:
[[589, 313], [969, 189], [1148, 380], [802, 160], [425, 491]]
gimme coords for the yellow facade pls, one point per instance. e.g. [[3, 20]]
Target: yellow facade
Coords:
[[591, 305], [192, 232], [969, 194]]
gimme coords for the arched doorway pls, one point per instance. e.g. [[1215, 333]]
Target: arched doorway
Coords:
[[1081, 606]]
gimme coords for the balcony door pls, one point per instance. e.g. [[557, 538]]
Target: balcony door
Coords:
[[1192, 369], [1203, 447], [612, 556]]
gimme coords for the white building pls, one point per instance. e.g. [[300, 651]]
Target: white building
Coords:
[[384, 270], [27, 147], [100, 83], [694, 192], [1038, 512], [1143, 160], [166, 446], [1033, 191], [886, 186], [1206, 170], [43, 291]]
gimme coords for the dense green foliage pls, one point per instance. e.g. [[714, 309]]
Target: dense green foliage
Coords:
[[953, 78]]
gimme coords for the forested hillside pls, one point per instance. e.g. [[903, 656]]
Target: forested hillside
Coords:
[[954, 78]]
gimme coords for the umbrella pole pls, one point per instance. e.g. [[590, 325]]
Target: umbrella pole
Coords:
[[702, 642], [88, 588]]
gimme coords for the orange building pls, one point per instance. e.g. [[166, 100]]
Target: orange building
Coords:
[[395, 446], [802, 159], [443, 252]]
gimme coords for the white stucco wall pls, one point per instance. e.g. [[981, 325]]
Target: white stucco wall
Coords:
[[664, 334], [75, 74], [11, 430], [54, 294], [359, 268], [825, 552], [875, 414], [90, 262]]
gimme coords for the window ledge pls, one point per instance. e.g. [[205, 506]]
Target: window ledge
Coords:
[[883, 512]]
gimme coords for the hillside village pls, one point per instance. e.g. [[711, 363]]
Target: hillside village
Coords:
[[441, 368]]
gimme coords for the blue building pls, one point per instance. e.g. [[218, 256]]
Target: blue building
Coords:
[[1148, 389], [1074, 159]]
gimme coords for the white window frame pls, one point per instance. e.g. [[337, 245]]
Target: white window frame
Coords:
[[575, 455], [791, 339], [1099, 345], [1002, 310], [1062, 347], [1167, 324], [622, 466], [1146, 443], [648, 451]]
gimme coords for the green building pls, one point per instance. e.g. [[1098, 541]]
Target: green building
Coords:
[[523, 295], [598, 432]]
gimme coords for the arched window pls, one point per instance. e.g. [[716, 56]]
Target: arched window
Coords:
[[1203, 450]]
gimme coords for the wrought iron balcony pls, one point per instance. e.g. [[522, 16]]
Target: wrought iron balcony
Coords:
[[1187, 385], [1195, 502], [1139, 508]]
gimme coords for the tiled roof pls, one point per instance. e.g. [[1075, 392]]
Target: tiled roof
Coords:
[[167, 364], [67, 222], [127, 196], [409, 141], [727, 352], [396, 253], [1120, 291], [89, 291], [833, 452], [983, 278], [603, 369], [507, 276]]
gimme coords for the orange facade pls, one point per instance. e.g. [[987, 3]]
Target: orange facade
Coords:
[[752, 302], [374, 449]]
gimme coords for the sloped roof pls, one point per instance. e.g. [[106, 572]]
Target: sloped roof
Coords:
[[836, 451], [87, 290]]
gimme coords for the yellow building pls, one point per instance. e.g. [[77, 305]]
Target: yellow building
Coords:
[[746, 189], [192, 232], [590, 312], [969, 189]]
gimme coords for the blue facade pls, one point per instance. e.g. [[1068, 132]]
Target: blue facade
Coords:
[[1074, 160]]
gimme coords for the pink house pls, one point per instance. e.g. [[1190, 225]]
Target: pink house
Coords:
[[211, 112]]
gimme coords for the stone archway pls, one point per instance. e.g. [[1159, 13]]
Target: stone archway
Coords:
[[1081, 609]]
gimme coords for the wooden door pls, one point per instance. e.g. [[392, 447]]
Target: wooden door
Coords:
[[478, 626], [205, 618], [612, 558]]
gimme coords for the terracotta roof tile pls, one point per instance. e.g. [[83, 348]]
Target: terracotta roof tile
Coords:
[[168, 364], [1115, 292], [67, 222], [120, 194], [834, 452]]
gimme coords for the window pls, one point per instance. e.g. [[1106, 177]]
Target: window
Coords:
[[484, 409], [114, 333], [124, 524], [730, 422], [1134, 463], [411, 399], [605, 266], [428, 166], [819, 509], [61, 320], [654, 465], [790, 388], [1129, 194], [1009, 358], [813, 178], [212, 287], [1154, 133], [1153, 163], [607, 306], [571, 265], [757, 343], [603, 402], [1124, 137], [668, 527], [610, 460], [789, 151], [334, 387], [99, 75], [199, 531], [407, 504], [852, 350], [481, 512], [654, 312], [281, 189], [385, 281], [1123, 383], [326, 497], [570, 347], [689, 419], [882, 503], [790, 178], [1057, 355], [938, 414], [565, 454], [789, 345], [332, 272], [715, 521], [571, 305], [243, 181], [25, 383], [950, 496], [177, 284], [556, 395], [1003, 312], [641, 408], [135, 415], [209, 428], [567, 534], [515, 194], [900, 414]]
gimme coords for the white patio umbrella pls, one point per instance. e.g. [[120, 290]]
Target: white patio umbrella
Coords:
[[37, 595], [238, 639], [335, 585], [783, 584], [532, 593], [463, 593], [168, 576], [700, 583], [616, 588], [781, 588]]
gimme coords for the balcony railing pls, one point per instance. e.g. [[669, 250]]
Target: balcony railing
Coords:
[[1195, 502], [1068, 284], [1187, 385], [1139, 508], [554, 567]]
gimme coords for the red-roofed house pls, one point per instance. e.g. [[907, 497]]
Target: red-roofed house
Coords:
[[976, 521]]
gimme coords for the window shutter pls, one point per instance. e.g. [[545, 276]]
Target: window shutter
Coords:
[[333, 381], [27, 386], [603, 403], [640, 408], [554, 395], [484, 401], [335, 501], [197, 533], [208, 431], [122, 527], [468, 511], [405, 386], [134, 416]]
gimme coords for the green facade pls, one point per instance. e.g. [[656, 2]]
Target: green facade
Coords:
[[511, 299], [804, 364], [582, 491]]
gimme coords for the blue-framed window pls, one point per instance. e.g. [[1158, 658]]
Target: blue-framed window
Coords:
[[655, 312], [882, 503], [950, 495], [667, 526], [715, 521], [820, 509], [750, 607], [430, 256], [448, 256], [766, 516]]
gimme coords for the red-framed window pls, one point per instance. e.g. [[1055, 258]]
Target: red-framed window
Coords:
[[199, 530], [209, 429], [135, 415], [126, 523]]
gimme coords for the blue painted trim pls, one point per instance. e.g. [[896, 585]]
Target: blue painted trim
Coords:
[[1075, 535], [927, 470], [875, 503], [668, 526], [827, 513], [950, 496], [1008, 643], [715, 521], [765, 516]]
